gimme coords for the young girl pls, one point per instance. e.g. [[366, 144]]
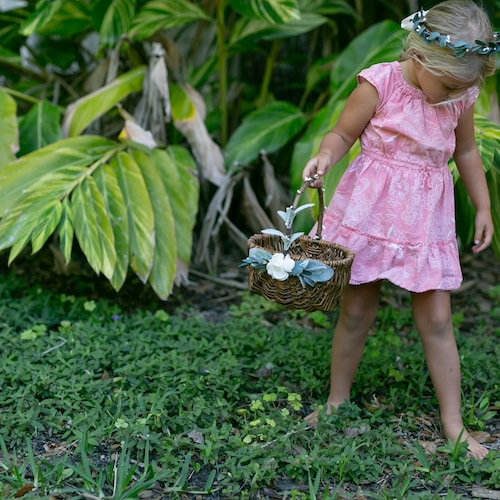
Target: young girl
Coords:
[[394, 206]]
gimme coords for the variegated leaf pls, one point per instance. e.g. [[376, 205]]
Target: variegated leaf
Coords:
[[178, 173], [61, 18], [8, 129], [18, 177], [270, 11], [93, 227], [66, 231], [47, 224], [116, 21], [80, 114], [159, 15], [17, 227], [162, 274], [141, 226], [248, 30], [107, 183]]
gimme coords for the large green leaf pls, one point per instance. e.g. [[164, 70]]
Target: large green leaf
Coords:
[[84, 111], [246, 30], [487, 134], [305, 149], [36, 212], [8, 129], [65, 230], [93, 228], [39, 211], [271, 11], [61, 18], [41, 17], [181, 103], [328, 8], [308, 145], [48, 222], [159, 15], [57, 184], [116, 21], [493, 179], [178, 173], [266, 129], [39, 127], [17, 177], [107, 183], [140, 216], [162, 274], [379, 43]]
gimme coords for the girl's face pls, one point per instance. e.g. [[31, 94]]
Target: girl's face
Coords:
[[439, 89]]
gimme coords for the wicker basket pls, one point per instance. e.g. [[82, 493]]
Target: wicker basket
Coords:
[[324, 296]]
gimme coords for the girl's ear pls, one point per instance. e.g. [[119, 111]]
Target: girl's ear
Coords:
[[418, 56]]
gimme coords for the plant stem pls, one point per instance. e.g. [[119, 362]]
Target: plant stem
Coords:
[[20, 95], [92, 168], [268, 71], [222, 60]]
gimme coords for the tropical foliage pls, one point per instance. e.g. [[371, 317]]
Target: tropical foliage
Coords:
[[137, 131]]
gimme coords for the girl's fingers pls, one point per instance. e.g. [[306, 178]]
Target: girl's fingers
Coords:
[[483, 241]]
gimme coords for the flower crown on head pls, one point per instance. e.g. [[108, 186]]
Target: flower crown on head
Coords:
[[416, 22]]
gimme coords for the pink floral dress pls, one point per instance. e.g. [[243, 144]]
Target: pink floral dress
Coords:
[[394, 206]]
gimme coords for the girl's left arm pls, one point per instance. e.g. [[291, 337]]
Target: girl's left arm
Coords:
[[471, 170]]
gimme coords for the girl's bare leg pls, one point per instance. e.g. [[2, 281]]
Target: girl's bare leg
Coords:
[[357, 313], [432, 313]]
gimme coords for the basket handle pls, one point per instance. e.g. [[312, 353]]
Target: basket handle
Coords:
[[321, 203]]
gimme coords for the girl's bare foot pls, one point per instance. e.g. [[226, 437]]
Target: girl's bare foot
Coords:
[[476, 449], [456, 432], [312, 418]]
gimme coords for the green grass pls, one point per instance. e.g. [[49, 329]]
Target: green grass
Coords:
[[96, 402]]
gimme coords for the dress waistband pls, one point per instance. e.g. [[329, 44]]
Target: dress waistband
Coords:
[[391, 161]]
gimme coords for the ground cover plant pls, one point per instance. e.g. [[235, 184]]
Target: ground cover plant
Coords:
[[103, 400]]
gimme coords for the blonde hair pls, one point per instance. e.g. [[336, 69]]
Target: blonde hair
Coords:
[[462, 20]]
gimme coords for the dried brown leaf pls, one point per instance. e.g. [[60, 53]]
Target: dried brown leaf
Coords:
[[483, 437]]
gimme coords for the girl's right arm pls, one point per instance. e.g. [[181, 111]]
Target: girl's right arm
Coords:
[[356, 114]]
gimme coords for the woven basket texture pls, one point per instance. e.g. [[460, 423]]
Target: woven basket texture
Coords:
[[325, 296]]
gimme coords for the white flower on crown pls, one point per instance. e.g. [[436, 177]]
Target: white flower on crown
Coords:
[[280, 266], [408, 24]]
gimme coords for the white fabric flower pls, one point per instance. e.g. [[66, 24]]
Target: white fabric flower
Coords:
[[280, 266], [407, 22]]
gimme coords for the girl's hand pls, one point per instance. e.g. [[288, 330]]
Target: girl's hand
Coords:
[[484, 231], [316, 166]]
